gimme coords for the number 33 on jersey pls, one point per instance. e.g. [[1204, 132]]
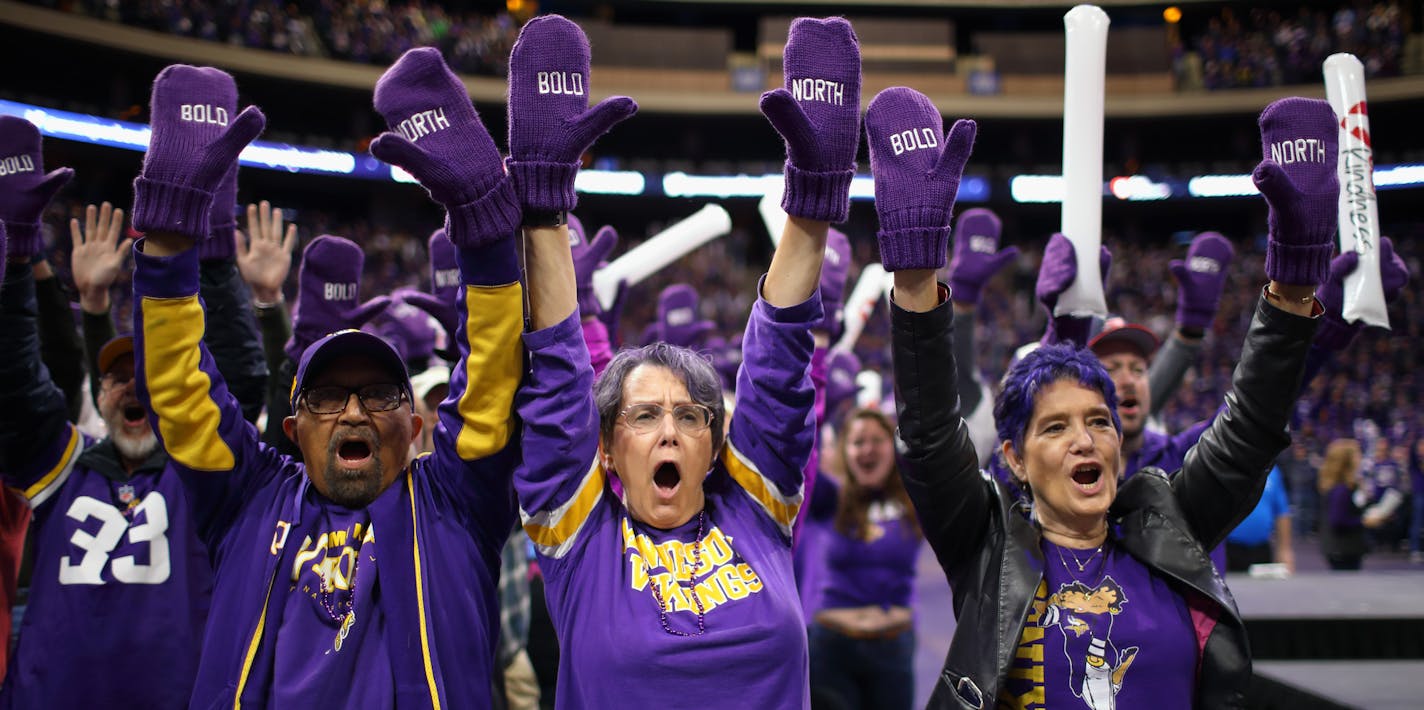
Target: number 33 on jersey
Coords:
[[131, 542]]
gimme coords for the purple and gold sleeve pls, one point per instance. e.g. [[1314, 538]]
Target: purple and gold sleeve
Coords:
[[198, 421], [560, 483], [774, 424], [475, 429]]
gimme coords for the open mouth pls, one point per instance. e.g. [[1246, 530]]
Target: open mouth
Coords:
[[1087, 475], [666, 478], [133, 414], [354, 451], [1127, 406]]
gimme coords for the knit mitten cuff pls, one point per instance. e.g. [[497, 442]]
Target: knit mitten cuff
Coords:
[[965, 291], [822, 196], [1298, 265], [545, 187], [1194, 318], [488, 218], [167, 207], [25, 239], [219, 245], [914, 248]]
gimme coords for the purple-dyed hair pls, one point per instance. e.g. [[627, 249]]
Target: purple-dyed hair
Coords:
[[1039, 369]]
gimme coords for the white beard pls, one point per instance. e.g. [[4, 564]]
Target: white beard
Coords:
[[135, 448]]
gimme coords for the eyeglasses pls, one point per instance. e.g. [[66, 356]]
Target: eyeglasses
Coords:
[[331, 399], [689, 418], [115, 379]]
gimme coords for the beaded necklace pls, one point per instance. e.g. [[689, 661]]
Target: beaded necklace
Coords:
[[691, 579]]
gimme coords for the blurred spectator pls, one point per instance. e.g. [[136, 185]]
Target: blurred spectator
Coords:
[[1265, 535], [1342, 530]]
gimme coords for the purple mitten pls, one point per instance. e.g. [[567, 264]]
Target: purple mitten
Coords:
[[410, 325], [677, 317], [1334, 333], [3, 255], [25, 190], [550, 123], [194, 145], [612, 316], [817, 113], [835, 269], [328, 286], [1200, 280], [222, 222], [1299, 140], [917, 171], [977, 256], [444, 285], [726, 360], [437, 137], [589, 256], [1056, 272], [841, 368]]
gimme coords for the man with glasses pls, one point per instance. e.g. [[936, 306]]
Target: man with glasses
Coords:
[[362, 577]]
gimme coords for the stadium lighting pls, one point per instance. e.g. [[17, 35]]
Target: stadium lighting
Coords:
[[1221, 186], [610, 182], [1036, 188], [1402, 175], [1137, 188], [680, 184]]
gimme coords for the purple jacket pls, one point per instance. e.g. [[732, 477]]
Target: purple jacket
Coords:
[[121, 581], [449, 512], [599, 563]]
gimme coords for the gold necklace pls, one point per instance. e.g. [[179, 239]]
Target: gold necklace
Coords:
[[1082, 564]]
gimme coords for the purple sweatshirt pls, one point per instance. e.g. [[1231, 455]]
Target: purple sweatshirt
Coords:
[[121, 582], [599, 563], [440, 525], [877, 571]]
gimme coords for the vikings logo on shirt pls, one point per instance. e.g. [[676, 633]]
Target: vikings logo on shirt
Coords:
[[332, 557], [722, 576], [1085, 616]]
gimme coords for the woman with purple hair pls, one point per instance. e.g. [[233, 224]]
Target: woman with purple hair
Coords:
[[1087, 593]]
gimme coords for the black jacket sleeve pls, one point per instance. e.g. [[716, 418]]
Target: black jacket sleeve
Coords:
[[60, 348], [232, 335], [1223, 476], [941, 469], [32, 409], [276, 325], [98, 329]]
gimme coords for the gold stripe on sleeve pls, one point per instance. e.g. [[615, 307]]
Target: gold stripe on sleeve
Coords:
[[493, 323], [178, 389]]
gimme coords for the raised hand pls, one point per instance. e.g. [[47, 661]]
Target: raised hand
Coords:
[[817, 113], [437, 137], [1059, 269], [590, 255], [264, 257], [445, 286], [917, 170], [1334, 333], [98, 255], [25, 189], [1299, 141], [328, 291], [194, 146], [550, 123], [1201, 279], [977, 256]]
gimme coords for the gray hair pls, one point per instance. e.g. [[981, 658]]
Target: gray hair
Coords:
[[701, 379]]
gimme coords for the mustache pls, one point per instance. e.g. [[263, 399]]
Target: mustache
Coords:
[[364, 433]]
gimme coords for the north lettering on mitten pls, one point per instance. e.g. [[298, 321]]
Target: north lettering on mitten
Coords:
[[828, 92], [1299, 150], [423, 124]]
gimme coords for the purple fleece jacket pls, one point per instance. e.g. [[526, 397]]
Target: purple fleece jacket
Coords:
[[441, 525]]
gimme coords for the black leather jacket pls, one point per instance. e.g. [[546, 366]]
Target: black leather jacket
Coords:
[[990, 550]]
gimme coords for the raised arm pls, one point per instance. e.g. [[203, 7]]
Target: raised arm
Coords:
[[915, 186], [1223, 475], [559, 482], [96, 259], [1201, 277], [60, 346], [437, 136], [196, 418]]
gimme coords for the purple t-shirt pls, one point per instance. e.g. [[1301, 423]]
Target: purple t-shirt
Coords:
[[332, 646], [877, 571], [1112, 635]]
